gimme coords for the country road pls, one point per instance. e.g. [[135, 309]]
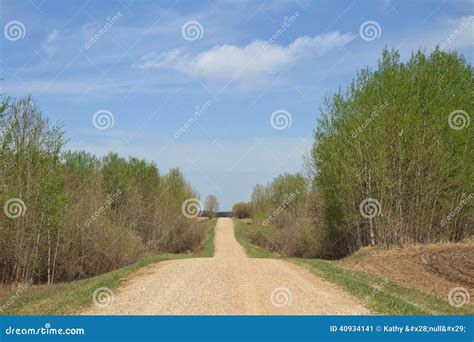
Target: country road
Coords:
[[230, 283]]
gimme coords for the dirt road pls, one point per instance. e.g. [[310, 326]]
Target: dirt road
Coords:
[[230, 283]]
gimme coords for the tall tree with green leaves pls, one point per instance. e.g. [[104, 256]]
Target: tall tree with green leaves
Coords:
[[390, 142]]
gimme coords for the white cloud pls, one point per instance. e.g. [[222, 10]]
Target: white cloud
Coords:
[[49, 45], [250, 62], [52, 36]]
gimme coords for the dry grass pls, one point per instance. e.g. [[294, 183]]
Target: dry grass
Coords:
[[433, 268]]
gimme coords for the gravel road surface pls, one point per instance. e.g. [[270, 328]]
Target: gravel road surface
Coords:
[[230, 283]]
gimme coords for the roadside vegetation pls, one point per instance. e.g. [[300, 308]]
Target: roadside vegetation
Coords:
[[207, 249], [241, 235], [72, 297], [71, 215], [242, 210], [382, 295], [390, 170], [391, 165]]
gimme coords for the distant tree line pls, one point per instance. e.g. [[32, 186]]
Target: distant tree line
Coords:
[[392, 164], [69, 215]]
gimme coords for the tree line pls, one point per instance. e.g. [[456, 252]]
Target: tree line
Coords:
[[391, 164], [70, 215]]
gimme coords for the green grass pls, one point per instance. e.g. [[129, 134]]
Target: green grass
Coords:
[[251, 250], [68, 298], [71, 297], [379, 295], [207, 250]]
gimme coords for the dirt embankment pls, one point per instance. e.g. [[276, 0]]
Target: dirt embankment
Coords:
[[435, 268]]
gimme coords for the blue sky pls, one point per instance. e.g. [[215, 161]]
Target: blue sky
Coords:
[[194, 84]]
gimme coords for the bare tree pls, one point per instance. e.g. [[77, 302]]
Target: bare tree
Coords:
[[71, 215], [211, 205]]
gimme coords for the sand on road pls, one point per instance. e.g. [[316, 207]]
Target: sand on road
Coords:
[[230, 283]]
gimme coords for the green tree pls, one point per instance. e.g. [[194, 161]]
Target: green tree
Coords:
[[242, 210], [388, 137]]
